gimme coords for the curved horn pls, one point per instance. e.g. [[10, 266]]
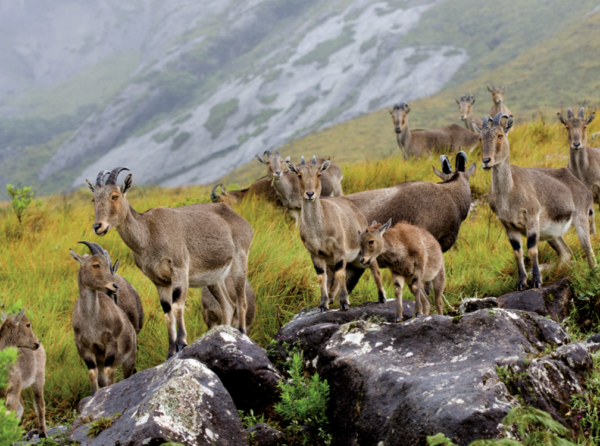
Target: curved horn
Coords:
[[581, 112], [486, 121], [461, 161], [303, 163], [213, 195], [267, 152], [94, 247], [446, 168], [498, 118], [314, 160], [570, 113], [112, 178], [100, 177]]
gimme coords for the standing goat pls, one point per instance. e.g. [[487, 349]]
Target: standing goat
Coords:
[[212, 312], [465, 107], [413, 256], [328, 229], [420, 143], [29, 371], [537, 203], [584, 162], [191, 246], [261, 187], [105, 335], [287, 186], [498, 99], [439, 208]]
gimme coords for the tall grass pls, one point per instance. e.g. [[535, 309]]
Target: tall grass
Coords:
[[36, 269]]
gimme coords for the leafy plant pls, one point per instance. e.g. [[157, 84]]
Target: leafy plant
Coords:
[[101, 424], [249, 419], [9, 423], [587, 406], [21, 200]]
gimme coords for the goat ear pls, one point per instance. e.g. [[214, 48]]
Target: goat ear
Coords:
[[489, 89], [471, 170], [325, 166], [407, 109], [17, 319], [287, 159], [90, 185], [477, 129], [457, 101], [385, 227], [591, 117], [390, 110], [441, 175], [473, 101], [292, 167], [260, 159], [561, 119], [127, 184], [115, 267], [509, 123], [76, 256]]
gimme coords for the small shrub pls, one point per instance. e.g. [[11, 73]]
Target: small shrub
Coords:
[[9, 424], [587, 406], [101, 424], [219, 114], [21, 200]]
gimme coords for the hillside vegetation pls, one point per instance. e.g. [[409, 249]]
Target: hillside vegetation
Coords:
[[37, 270]]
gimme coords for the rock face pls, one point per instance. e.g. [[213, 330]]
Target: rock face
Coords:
[[241, 364], [180, 401], [475, 304], [398, 383], [550, 300], [264, 435]]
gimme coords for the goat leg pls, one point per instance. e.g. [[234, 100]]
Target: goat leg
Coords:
[[515, 240], [376, 273], [582, 227], [398, 286], [166, 302], [532, 251], [321, 270], [40, 406]]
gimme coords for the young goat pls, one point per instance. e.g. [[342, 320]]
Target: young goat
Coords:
[[537, 203], [261, 187], [328, 229], [465, 107], [413, 256], [498, 99], [29, 371], [104, 335], [584, 162]]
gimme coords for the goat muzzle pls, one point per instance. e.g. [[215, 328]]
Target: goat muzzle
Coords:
[[486, 163], [398, 130], [577, 145], [98, 229]]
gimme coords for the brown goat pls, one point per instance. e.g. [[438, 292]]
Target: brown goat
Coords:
[[104, 334], [584, 162], [211, 310], [328, 229], [412, 255], [420, 143], [537, 203], [192, 246], [29, 370], [498, 99], [465, 107], [287, 185], [261, 187]]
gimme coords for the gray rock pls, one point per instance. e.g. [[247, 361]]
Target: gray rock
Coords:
[[472, 304], [264, 435], [32, 437], [180, 401], [241, 364], [398, 383], [549, 300]]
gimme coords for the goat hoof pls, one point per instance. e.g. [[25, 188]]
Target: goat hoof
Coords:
[[344, 306], [520, 287], [537, 283], [417, 315], [180, 347], [322, 308], [398, 318]]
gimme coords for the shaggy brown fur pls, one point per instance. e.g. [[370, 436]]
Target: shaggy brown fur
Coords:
[[465, 107], [261, 187], [29, 370], [537, 203], [413, 256], [420, 143], [191, 246]]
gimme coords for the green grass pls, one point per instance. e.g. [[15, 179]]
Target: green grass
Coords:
[[35, 266]]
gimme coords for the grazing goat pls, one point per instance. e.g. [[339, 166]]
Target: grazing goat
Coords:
[[261, 187], [104, 334], [420, 143], [498, 98], [584, 162], [29, 370], [211, 310], [412, 255], [465, 107], [439, 208], [287, 185], [537, 203], [328, 229], [196, 246]]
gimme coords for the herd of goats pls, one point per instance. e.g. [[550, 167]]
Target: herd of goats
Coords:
[[206, 245]]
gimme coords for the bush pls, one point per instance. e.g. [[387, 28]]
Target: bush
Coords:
[[218, 116], [21, 200]]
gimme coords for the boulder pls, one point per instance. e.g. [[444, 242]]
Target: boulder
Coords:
[[549, 300], [472, 304], [241, 365], [264, 435], [398, 383], [180, 401], [56, 434]]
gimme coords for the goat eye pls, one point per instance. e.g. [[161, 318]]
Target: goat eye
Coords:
[[300, 176], [115, 197], [93, 200], [371, 242], [500, 135], [96, 266], [28, 325]]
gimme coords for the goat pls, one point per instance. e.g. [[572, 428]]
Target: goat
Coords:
[[328, 229], [537, 203], [261, 187], [191, 246], [439, 208], [104, 334], [287, 186], [498, 99], [211, 310], [465, 107], [413, 256], [29, 370], [584, 162], [420, 143]]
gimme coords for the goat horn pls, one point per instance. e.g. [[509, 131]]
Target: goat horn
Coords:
[[461, 161], [100, 177], [19, 316], [314, 160], [303, 163], [213, 195], [445, 162], [276, 151], [570, 113], [267, 152], [112, 178], [581, 112], [485, 122], [94, 248], [498, 118]]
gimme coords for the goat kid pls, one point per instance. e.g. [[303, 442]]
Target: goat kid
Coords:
[[29, 370], [498, 99], [412, 255], [104, 334], [536, 203], [328, 229], [261, 187], [465, 107]]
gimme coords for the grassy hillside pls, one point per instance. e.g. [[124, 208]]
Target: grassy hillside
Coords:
[[36, 268], [559, 73]]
